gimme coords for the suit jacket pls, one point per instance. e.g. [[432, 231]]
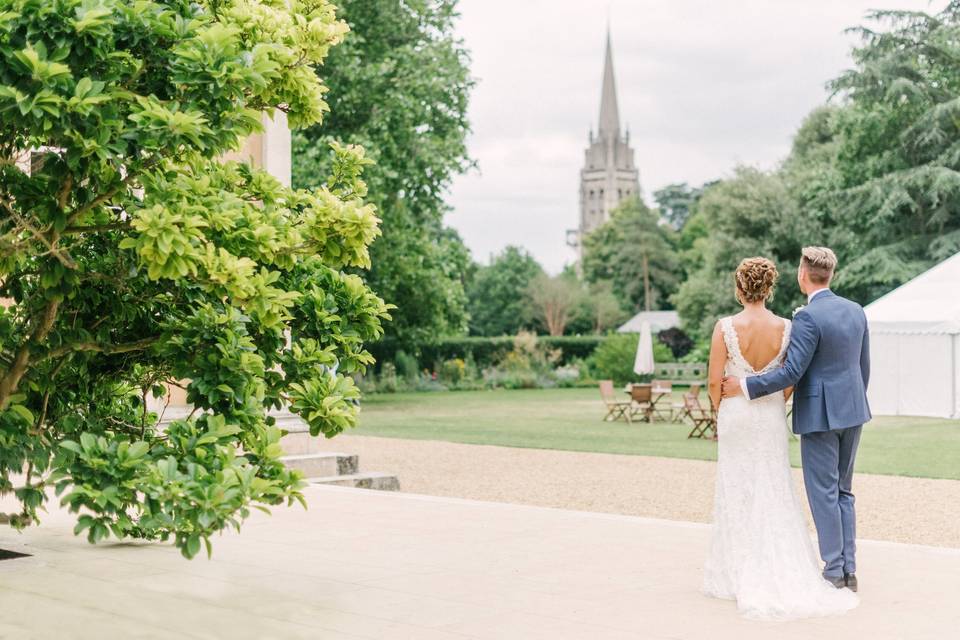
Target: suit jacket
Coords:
[[828, 364]]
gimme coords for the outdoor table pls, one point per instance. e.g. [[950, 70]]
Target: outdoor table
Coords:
[[656, 395]]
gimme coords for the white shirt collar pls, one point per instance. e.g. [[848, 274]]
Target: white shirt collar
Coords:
[[816, 293]]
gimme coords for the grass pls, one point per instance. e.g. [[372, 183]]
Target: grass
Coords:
[[570, 419]]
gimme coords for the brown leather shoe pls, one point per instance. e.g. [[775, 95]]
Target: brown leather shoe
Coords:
[[851, 580]]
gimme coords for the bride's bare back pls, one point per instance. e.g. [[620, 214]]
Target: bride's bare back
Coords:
[[760, 335]]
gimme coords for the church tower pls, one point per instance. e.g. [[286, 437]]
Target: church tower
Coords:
[[609, 174]]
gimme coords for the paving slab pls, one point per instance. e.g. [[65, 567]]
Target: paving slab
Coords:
[[368, 564]]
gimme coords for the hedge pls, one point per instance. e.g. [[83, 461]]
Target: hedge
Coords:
[[486, 351]]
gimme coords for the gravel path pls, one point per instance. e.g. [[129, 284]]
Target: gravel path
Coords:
[[899, 509]]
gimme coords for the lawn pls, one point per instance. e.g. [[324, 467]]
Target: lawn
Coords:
[[570, 419]]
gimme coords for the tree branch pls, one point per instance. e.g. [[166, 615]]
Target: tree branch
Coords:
[[109, 349], [103, 197], [64, 259], [21, 361], [94, 228], [64, 192]]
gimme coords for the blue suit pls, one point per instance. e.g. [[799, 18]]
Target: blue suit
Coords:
[[828, 364]]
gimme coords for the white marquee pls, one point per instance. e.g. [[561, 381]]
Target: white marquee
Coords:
[[915, 346]]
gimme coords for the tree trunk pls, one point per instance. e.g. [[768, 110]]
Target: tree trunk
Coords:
[[646, 283]]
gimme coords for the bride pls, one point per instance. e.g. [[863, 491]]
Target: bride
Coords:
[[761, 554]]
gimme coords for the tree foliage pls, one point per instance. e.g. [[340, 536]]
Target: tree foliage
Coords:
[[131, 255], [554, 301], [399, 86], [752, 213], [635, 253], [498, 293], [875, 175], [602, 307], [898, 159], [676, 203]]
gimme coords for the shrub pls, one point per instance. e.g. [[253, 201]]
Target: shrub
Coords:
[[132, 253], [613, 360], [387, 381], [700, 352], [530, 354], [485, 351], [567, 376], [453, 371], [407, 366], [503, 379], [679, 342]]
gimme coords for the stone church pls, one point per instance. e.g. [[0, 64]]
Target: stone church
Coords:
[[609, 173]]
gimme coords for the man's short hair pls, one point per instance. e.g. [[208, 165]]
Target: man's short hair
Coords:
[[819, 263]]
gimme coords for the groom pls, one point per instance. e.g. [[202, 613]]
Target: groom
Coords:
[[828, 362]]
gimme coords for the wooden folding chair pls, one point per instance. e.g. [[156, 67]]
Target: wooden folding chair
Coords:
[[704, 421], [641, 397], [680, 413], [616, 409]]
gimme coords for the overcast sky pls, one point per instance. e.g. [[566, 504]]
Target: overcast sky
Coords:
[[703, 84]]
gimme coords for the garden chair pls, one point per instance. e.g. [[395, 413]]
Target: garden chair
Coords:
[[641, 398], [704, 420], [679, 408], [662, 405], [616, 409]]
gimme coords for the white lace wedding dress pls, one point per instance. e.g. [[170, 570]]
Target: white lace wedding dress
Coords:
[[762, 555]]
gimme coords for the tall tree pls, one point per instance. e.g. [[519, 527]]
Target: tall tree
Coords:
[[131, 255], [753, 213], [676, 203], [399, 86], [603, 307], [899, 155], [634, 252], [498, 293]]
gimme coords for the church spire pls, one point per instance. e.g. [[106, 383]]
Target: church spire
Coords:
[[609, 111]]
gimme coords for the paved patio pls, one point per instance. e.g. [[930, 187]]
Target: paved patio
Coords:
[[362, 564]]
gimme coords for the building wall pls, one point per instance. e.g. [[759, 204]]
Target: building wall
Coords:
[[609, 176]]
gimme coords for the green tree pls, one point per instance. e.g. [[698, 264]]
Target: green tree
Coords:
[[753, 213], [635, 253], [399, 86], [498, 293], [899, 151], [131, 255], [554, 301], [603, 308], [677, 202]]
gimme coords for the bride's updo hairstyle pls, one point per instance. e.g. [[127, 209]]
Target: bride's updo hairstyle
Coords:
[[755, 279]]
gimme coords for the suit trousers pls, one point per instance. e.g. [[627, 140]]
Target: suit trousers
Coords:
[[828, 458]]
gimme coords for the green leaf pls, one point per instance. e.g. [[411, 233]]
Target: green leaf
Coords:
[[193, 545], [70, 445], [23, 412], [138, 450], [88, 442]]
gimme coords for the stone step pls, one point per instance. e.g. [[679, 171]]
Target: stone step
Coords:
[[298, 443], [290, 422], [323, 464], [368, 480]]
